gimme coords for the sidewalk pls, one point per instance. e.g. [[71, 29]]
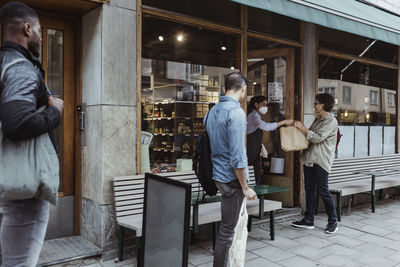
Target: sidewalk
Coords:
[[363, 239]]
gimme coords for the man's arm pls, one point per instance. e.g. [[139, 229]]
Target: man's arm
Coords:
[[247, 191], [237, 149], [20, 120]]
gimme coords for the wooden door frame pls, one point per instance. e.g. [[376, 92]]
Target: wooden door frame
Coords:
[[71, 61], [289, 54]]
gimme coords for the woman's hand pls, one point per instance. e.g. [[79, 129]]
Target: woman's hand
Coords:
[[301, 127], [285, 122], [288, 122]]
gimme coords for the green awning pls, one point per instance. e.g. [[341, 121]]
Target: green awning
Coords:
[[344, 15]]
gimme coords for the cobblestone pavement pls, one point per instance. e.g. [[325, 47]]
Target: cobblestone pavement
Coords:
[[363, 239]]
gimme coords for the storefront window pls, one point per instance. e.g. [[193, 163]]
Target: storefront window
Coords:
[[221, 11], [274, 24], [356, 45], [365, 105], [182, 78]]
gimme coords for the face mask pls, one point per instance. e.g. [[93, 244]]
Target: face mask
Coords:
[[263, 110]]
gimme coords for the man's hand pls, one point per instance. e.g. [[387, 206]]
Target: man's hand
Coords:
[[288, 122], [249, 193], [57, 103]]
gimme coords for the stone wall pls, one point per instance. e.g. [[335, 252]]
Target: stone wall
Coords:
[[109, 93]]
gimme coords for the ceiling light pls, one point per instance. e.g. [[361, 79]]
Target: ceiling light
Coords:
[[254, 83], [160, 38], [232, 68], [346, 114], [179, 38], [223, 48]]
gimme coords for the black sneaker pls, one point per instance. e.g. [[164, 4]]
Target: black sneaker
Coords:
[[303, 224], [331, 228]]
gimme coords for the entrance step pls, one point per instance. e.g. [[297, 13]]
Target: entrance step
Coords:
[[66, 249]]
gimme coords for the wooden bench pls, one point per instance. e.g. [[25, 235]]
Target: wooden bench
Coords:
[[129, 194], [351, 176]]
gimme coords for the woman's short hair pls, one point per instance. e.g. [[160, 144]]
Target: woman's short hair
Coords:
[[326, 99]]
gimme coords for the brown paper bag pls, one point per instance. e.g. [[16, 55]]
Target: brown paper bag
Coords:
[[292, 139]]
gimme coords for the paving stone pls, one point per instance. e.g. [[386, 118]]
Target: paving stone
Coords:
[[261, 262], [272, 253], [339, 250], [374, 249], [345, 241], [349, 232], [250, 256], [374, 260], [298, 261], [376, 222], [381, 241], [335, 260], [281, 242], [253, 244], [395, 257], [199, 256], [293, 233], [375, 230], [308, 252], [260, 234], [314, 241]]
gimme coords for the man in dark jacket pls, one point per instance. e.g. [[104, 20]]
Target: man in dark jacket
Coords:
[[22, 91]]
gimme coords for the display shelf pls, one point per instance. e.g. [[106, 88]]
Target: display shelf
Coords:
[[174, 116]]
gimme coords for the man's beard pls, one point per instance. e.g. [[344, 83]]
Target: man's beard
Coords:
[[34, 49]]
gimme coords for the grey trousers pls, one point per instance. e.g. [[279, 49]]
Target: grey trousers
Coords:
[[231, 202], [23, 225]]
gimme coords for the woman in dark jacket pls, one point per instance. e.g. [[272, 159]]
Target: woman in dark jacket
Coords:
[[255, 127]]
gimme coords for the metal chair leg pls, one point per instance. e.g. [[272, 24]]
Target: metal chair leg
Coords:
[[272, 224], [121, 244]]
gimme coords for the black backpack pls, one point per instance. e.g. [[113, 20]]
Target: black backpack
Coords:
[[202, 164]]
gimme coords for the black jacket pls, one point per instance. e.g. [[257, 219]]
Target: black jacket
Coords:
[[22, 92]]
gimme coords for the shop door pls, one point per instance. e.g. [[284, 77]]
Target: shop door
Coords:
[[58, 59], [271, 74]]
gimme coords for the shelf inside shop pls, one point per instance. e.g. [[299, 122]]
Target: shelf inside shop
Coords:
[[164, 134], [164, 150], [180, 102], [167, 118]]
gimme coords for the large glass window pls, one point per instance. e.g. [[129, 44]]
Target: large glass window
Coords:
[[356, 45], [274, 24], [365, 105], [222, 11], [183, 71]]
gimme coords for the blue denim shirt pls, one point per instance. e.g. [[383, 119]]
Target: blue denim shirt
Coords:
[[226, 127]]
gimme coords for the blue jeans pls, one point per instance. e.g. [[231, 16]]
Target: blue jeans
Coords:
[[23, 225], [231, 202], [316, 180]]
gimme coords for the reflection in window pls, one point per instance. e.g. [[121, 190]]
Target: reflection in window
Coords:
[[390, 100], [328, 90], [374, 97], [365, 105], [346, 95]]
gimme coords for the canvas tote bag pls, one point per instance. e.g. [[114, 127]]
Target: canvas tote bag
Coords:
[[292, 139], [237, 252], [28, 168]]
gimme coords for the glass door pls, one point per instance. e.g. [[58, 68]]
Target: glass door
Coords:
[[271, 73]]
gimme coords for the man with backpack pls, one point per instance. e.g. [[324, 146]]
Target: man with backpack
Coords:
[[226, 128]]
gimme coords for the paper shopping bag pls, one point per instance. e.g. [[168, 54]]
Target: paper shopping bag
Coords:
[[292, 139]]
